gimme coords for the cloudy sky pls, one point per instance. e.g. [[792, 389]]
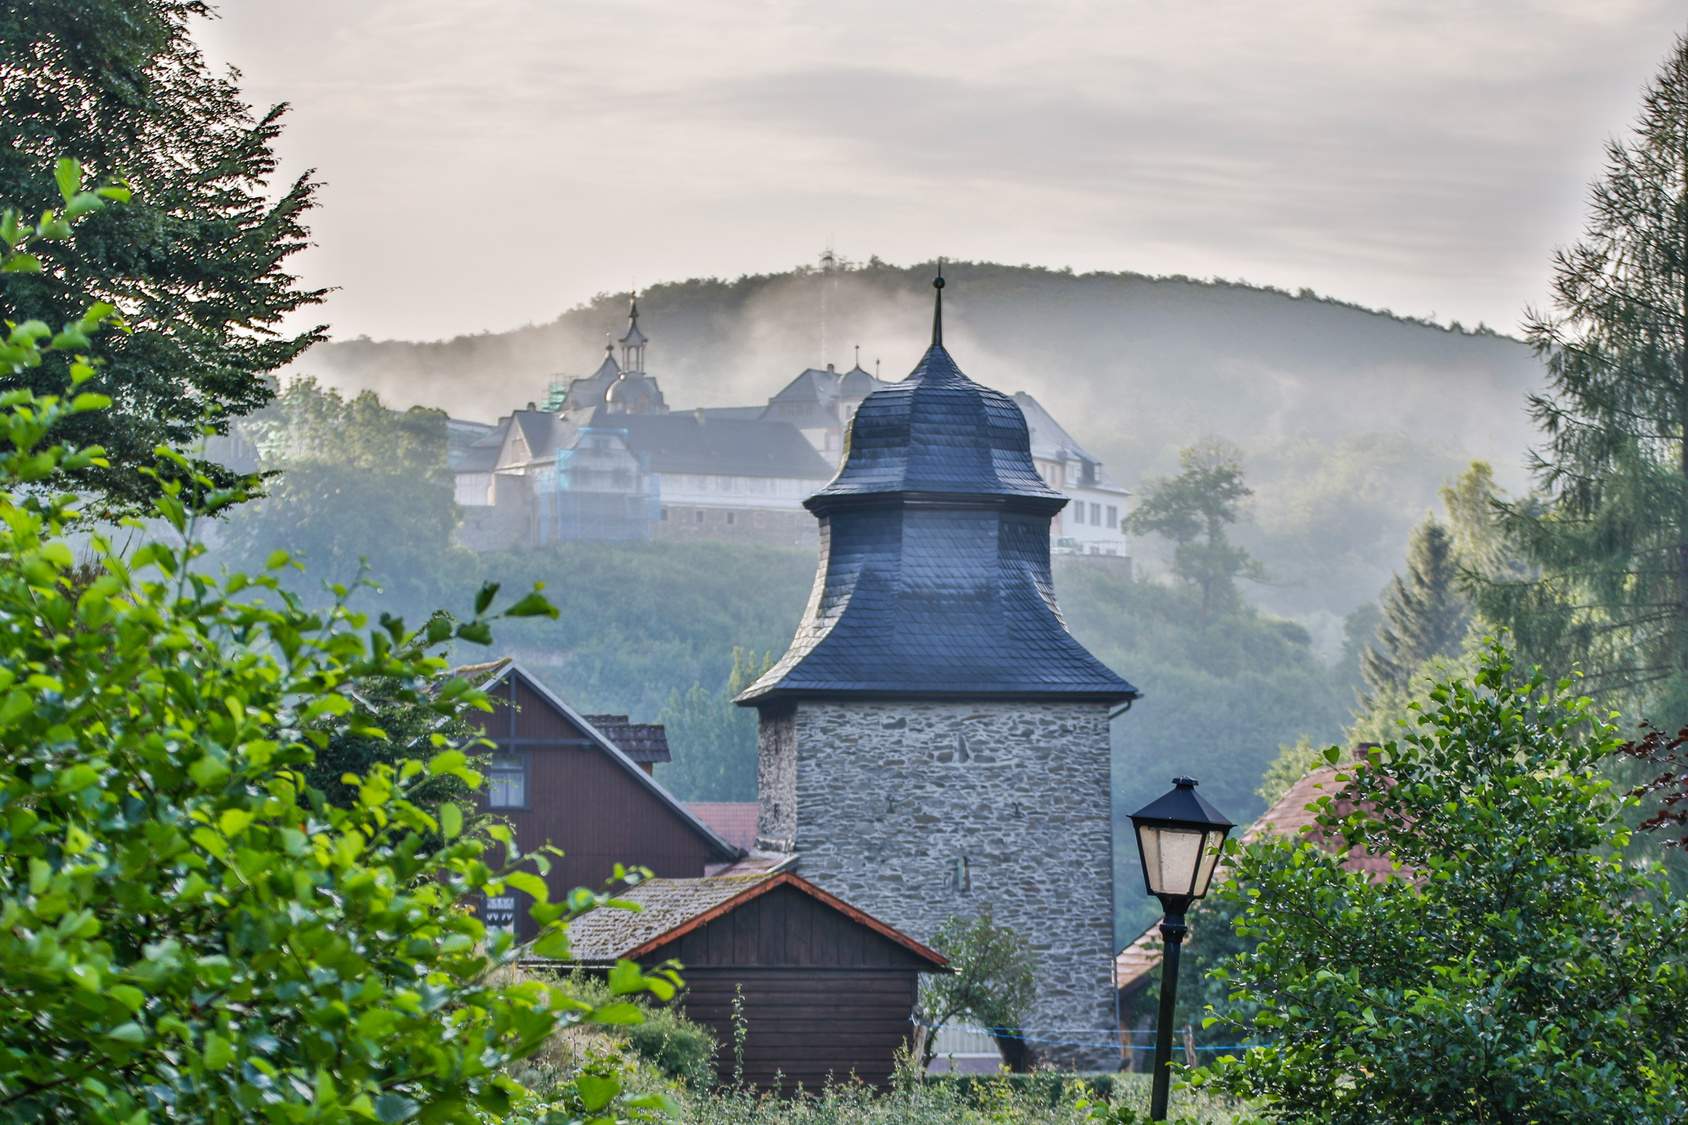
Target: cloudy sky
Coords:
[[492, 162]]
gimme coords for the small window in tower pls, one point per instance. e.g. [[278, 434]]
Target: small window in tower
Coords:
[[507, 780], [665, 513]]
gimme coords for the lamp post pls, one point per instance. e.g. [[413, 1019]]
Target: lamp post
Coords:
[[1178, 838]]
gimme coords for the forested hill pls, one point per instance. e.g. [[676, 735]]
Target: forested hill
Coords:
[[1135, 366]]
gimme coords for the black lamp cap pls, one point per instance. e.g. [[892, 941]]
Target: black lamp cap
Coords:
[[1182, 806]]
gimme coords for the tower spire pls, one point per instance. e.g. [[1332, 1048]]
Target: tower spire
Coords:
[[938, 308]]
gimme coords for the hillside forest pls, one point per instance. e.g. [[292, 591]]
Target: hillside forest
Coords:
[[668, 632]]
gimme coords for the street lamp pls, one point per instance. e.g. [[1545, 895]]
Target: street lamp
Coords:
[[1179, 837]]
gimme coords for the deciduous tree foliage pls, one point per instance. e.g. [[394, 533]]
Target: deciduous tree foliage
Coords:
[[188, 930], [993, 982], [1511, 968], [1193, 509], [1612, 544], [197, 264]]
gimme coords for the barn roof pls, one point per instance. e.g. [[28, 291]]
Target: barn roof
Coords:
[[499, 672], [671, 908]]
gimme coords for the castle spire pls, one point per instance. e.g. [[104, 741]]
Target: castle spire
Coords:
[[633, 344]]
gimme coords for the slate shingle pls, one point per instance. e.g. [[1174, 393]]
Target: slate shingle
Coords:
[[934, 577]]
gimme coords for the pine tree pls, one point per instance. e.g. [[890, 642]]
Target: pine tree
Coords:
[[1610, 545], [1424, 613], [196, 262]]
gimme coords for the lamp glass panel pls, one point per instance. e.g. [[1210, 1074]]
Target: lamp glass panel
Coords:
[[1210, 859], [1170, 857]]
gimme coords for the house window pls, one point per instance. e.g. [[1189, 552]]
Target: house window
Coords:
[[731, 517], [697, 515], [1113, 517], [665, 513], [507, 780], [500, 913]]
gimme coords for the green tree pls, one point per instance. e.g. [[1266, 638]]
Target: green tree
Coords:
[[712, 739], [1424, 613], [1611, 544], [356, 484], [1509, 966], [1193, 509], [992, 980], [197, 263], [188, 924]]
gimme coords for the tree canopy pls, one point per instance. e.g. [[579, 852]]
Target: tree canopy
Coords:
[[196, 263], [1610, 546], [1193, 510], [1509, 966]]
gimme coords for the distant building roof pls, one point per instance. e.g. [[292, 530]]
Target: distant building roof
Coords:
[[1052, 443], [643, 742], [671, 908], [680, 443], [735, 821]]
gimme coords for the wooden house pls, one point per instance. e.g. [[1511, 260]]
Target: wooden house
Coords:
[[825, 991], [558, 779]]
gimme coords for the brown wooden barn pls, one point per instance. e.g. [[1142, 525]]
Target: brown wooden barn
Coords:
[[827, 991], [558, 779]]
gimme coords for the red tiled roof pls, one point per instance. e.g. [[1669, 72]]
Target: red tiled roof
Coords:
[[733, 821]]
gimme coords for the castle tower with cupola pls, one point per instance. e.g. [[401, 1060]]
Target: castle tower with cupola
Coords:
[[935, 742]]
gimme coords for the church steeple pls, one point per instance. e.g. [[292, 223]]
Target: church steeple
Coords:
[[633, 344]]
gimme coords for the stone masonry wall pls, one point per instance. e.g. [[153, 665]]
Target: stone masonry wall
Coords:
[[891, 798]]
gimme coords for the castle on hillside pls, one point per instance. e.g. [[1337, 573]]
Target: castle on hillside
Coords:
[[935, 742], [606, 457]]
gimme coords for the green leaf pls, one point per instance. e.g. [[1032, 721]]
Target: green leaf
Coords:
[[393, 1107], [451, 821], [626, 977], [621, 1013], [81, 204], [485, 596], [596, 1091], [130, 1032], [69, 175], [533, 605], [22, 263], [218, 1052], [530, 883], [553, 946], [477, 632]]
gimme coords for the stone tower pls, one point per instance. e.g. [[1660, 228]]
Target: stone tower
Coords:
[[935, 741]]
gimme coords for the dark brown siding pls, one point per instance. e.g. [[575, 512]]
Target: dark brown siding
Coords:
[[582, 801], [823, 995], [805, 1025]]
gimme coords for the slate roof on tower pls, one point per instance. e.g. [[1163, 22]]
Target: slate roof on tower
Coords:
[[934, 576]]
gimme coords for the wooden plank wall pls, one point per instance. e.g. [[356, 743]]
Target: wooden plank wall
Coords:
[[805, 1025], [582, 801], [823, 994]]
